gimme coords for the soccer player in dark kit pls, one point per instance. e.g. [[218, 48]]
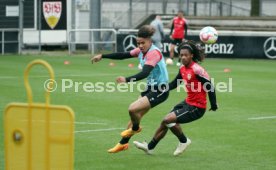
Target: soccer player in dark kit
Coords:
[[197, 84], [154, 69]]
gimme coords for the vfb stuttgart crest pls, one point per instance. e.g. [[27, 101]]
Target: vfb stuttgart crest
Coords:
[[52, 12]]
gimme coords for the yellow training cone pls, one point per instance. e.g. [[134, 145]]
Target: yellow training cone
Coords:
[[38, 135]]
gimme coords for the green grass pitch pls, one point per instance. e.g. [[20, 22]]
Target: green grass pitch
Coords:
[[225, 139]]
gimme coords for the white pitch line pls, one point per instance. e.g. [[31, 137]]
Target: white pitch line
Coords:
[[261, 118], [80, 123], [98, 130], [90, 123], [9, 77], [62, 76]]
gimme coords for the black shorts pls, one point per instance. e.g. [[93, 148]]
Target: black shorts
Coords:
[[186, 113], [176, 41], [156, 94]]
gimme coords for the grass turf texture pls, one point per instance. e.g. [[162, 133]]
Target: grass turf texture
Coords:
[[225, 139]]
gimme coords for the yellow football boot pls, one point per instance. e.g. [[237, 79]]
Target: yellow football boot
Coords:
[[129, 132], [119, 147]]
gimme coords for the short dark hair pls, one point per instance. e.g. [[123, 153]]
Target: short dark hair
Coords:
[[195, 48], [181, 11], [146, 31]]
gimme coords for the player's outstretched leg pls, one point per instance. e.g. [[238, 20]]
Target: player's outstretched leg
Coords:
[[148, 147], [119, 147], [136, 111], [123, 144], [172, 46], [128, 133], [175, 128], [181, 147], [143, 146]]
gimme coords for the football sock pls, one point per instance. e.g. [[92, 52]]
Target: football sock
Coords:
[[152, 144], [124, 140], [182, 138], [135, 126]]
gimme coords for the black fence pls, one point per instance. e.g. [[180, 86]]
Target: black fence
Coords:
[[258, 47], [8, 41]]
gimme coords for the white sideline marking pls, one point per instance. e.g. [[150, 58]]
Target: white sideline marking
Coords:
[[98, 130], [261, 118]]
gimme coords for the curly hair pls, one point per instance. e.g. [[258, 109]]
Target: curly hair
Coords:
[[195, 48], [146, 31]]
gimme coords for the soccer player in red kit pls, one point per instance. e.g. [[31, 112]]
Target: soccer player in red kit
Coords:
[[197, 84], [178, 32]]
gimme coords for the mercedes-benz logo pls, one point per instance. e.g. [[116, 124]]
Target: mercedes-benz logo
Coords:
[[270, 47], [129, 43]]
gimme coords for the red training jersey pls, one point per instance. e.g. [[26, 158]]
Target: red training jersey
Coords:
[[196, 93], [179, 27]]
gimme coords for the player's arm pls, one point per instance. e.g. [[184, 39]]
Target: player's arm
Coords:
[[172, 27], [211, 91], [153, 58], [185, 29], [141, 75], [173, 84], [116, 56]]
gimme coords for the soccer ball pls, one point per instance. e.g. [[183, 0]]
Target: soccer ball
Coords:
[[208, 35], [169, 61]]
